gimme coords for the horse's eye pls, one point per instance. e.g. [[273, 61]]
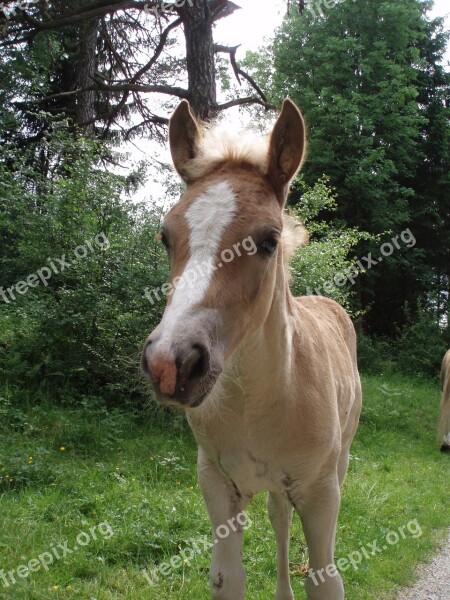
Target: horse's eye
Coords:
[[269, 245], [164, 240]]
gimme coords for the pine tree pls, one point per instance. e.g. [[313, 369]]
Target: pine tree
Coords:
[[359, 73]]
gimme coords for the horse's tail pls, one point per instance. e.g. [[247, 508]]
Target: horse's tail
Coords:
[[444, 420]]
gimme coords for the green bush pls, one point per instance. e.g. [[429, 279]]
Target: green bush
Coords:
[[375, 356], [323, 267], [422, 344], [81, 331]]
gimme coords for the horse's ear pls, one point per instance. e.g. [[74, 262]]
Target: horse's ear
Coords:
[[183, 135], [287, 149]]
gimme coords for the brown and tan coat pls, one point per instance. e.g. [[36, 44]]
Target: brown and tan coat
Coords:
[[269, 382], [444, 421]]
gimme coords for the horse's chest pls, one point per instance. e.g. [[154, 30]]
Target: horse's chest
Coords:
[[244, 461], [251, 474], [247, 451]]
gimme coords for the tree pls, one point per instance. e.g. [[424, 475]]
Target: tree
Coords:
[[101, 60], [76, 257], [358, 73], [431, 205]]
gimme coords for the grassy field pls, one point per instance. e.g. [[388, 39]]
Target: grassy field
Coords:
[[122, 490]]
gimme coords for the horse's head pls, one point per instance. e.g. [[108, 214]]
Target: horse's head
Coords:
[[223, 240]]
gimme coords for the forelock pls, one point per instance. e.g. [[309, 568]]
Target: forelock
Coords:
[[218, 146]]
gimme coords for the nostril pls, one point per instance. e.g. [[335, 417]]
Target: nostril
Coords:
[[195, 364], [202, 364], [145, 361]]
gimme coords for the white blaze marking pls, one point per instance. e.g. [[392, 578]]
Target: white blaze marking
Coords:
[[207, 217]]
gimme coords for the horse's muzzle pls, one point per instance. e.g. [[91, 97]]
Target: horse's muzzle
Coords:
[[177, 373]]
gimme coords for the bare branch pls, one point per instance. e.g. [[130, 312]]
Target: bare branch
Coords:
[[231, 51], [97, 9], [124, 87], [222, 8], [124, 80], [244, 101], [159, 48], [153, 120]]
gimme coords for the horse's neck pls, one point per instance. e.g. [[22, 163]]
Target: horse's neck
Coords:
[[267, 352], [261, 368]]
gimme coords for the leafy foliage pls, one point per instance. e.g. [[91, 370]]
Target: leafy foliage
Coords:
[[371, 82], [421, 345], [83, 323], [324, 267]]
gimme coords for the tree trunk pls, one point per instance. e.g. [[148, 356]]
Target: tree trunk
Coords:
[[197, 21], [448, 300], [85, 66]]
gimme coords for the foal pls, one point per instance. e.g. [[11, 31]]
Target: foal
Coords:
[[444, 422], [269, 382]]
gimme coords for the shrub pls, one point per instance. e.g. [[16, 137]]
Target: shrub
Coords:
[[375, 356], [321, 266], [422, 344], [79, 332]]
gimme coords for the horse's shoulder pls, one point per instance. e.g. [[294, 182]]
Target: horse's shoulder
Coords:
[[321, 307], [327, 316]]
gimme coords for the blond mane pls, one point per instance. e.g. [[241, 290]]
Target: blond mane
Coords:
[[217, 144], [294, 236]]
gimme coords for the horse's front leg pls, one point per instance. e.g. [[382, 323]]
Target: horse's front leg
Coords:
[[319, 512], [225, 507], [280, 514]]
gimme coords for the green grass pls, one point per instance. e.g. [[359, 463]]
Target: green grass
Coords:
[[138, 475]]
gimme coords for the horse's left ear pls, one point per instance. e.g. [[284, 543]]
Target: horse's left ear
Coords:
[[287, 149], [183, 135]]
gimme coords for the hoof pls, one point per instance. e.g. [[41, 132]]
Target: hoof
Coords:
[[445, 448]]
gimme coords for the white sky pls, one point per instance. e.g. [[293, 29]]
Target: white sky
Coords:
[[250, 26], [258, 19]]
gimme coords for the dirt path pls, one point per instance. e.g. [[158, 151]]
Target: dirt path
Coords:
[[434, 579]]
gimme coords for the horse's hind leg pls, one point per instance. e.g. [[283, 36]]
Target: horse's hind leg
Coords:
[[280, 514], [319, 513]]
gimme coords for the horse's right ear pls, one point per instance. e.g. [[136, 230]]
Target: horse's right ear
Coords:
[[183, 135]]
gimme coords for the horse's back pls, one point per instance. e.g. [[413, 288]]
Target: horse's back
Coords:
[[332, 354], [332, 320]]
